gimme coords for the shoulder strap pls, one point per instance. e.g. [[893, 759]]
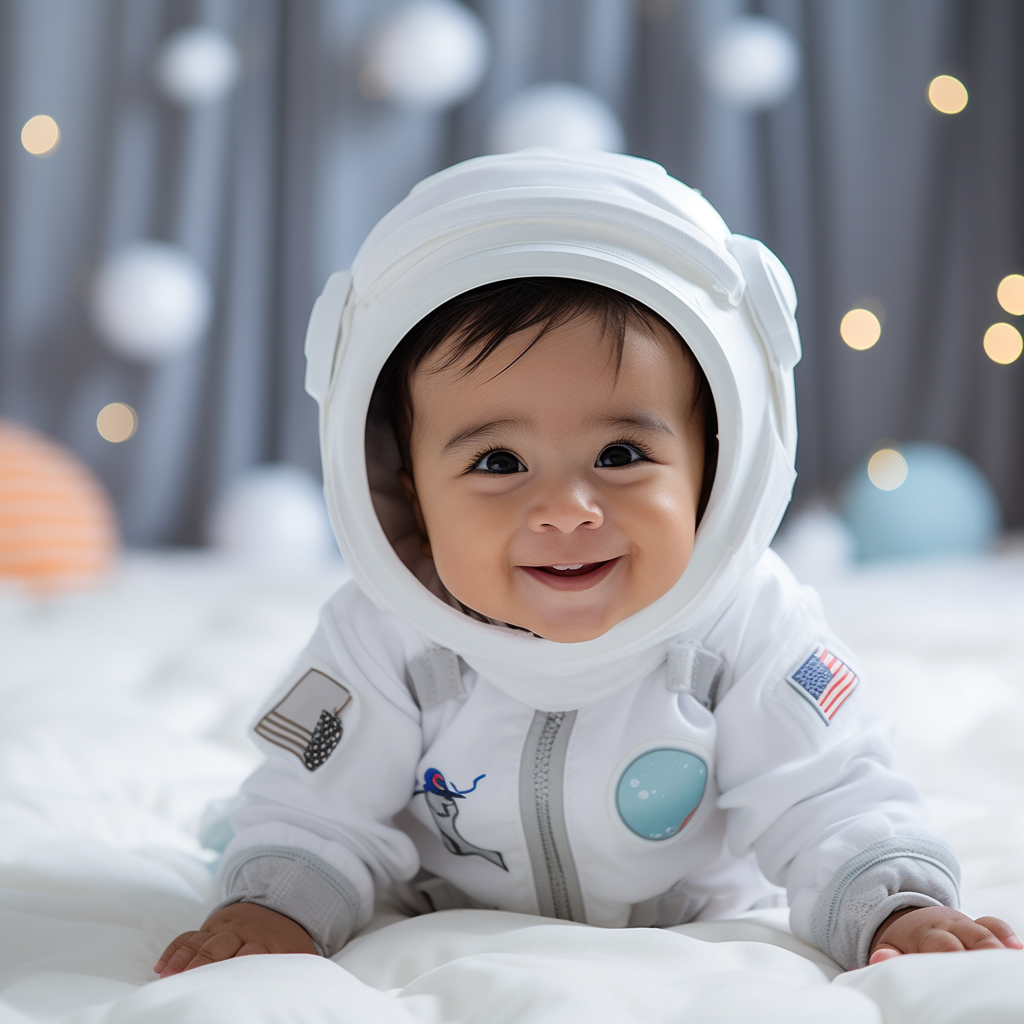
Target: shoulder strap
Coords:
[[435, 676], [696, 671]]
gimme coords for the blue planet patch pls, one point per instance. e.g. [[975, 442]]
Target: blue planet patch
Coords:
[[660, 791]]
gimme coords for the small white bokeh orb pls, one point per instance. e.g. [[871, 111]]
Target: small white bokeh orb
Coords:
[[196, 66], [752, 63], [556, 115], [428, 55], [150, 301], [817, 545], [273, 516]]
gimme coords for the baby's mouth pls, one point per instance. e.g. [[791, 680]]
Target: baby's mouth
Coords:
[[571, 575], [577, 569]]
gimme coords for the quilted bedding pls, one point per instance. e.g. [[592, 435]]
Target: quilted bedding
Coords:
[[123, 712]]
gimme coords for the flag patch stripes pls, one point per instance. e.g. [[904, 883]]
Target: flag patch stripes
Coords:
[[824, 681]]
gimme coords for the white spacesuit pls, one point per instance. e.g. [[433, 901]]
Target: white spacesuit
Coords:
[[686, 764]]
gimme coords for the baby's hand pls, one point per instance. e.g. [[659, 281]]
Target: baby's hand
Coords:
[[240, 929], [938, 930]]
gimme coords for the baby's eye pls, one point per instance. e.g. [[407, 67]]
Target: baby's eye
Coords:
[[620, 454], [499, 461]]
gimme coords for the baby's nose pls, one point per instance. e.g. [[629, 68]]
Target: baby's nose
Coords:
[[566, 509]]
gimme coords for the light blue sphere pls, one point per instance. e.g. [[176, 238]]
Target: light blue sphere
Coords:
[[660, 791], [945, 506]]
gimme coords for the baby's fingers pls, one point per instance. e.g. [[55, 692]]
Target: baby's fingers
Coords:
[[187, 946], [884, 952], [221, 946], [1002, 931], [252, 949], [172, 947]]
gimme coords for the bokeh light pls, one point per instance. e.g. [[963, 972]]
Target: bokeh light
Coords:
[[1010, 294], [559, 115], [426, 55], [197, 65], [887, 469], [753, 63], [947, 94], [117, 422], [1003, 343], [151, 301], [40, 135], [860, 329]]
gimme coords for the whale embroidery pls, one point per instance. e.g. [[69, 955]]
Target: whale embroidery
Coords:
[[441, 797]]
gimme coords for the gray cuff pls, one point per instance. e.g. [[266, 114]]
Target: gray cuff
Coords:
[[899, 872], [299, 885]]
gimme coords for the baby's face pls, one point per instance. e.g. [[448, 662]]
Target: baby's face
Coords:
[[555, 494]]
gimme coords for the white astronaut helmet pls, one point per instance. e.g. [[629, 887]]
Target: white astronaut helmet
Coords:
[[616, 221]]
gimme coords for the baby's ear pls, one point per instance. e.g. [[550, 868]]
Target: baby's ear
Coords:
[[409, 490]]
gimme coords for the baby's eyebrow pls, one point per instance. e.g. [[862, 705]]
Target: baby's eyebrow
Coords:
[[645, 420], [478, 431]]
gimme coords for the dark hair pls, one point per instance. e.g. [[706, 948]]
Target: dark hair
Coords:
[[478, 321]]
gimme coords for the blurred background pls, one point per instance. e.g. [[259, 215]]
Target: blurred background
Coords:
[[179, 177]]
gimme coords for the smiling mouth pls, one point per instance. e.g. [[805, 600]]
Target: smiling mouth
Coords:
[[571, 575], [579, 569]]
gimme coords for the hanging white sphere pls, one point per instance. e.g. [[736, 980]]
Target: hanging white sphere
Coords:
[[273, 516], [428, 55], [150, 301], [196, 66], [556, 115], [752, 63], [817, 545]]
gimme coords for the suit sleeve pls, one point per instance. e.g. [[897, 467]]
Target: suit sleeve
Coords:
[[313, 835], [809, 781]]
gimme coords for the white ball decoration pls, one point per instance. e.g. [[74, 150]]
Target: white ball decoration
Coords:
[[817, 545], [150, 301], [556, 115], [273, 516], [428, 55], [753, 63], [196, 66]]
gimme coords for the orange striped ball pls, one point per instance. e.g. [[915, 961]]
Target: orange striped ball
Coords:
[[58, 528]]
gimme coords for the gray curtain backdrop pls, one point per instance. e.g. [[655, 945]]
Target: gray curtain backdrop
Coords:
[[866, 193]]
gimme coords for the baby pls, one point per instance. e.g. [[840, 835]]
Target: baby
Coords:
[[569, 678]]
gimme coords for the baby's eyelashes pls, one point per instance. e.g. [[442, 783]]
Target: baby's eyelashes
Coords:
[[622, 453], [498, 461], [502, 462]]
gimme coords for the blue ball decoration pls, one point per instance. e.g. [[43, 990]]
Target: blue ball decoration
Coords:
[[660, 791], [939, 503]]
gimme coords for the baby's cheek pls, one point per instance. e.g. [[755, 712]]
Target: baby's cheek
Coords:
[[664, 545], [466, 564]]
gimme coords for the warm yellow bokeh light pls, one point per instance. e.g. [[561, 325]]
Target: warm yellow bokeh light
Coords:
[[117, 422], [947, 94], [887, 469], [860, 329], [40, 135], [1003, 343], [1010, 294]]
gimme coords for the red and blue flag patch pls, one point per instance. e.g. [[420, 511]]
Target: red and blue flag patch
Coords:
[[824, 681]]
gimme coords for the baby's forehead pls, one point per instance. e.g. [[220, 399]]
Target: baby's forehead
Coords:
[[574, 374], [534, 350]]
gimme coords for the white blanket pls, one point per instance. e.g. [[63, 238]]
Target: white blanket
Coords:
[[122, 712]]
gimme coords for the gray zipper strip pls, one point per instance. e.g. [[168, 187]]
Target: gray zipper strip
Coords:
[[541, 804]]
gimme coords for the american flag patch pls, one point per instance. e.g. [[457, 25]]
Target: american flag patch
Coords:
[[824, 681]]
